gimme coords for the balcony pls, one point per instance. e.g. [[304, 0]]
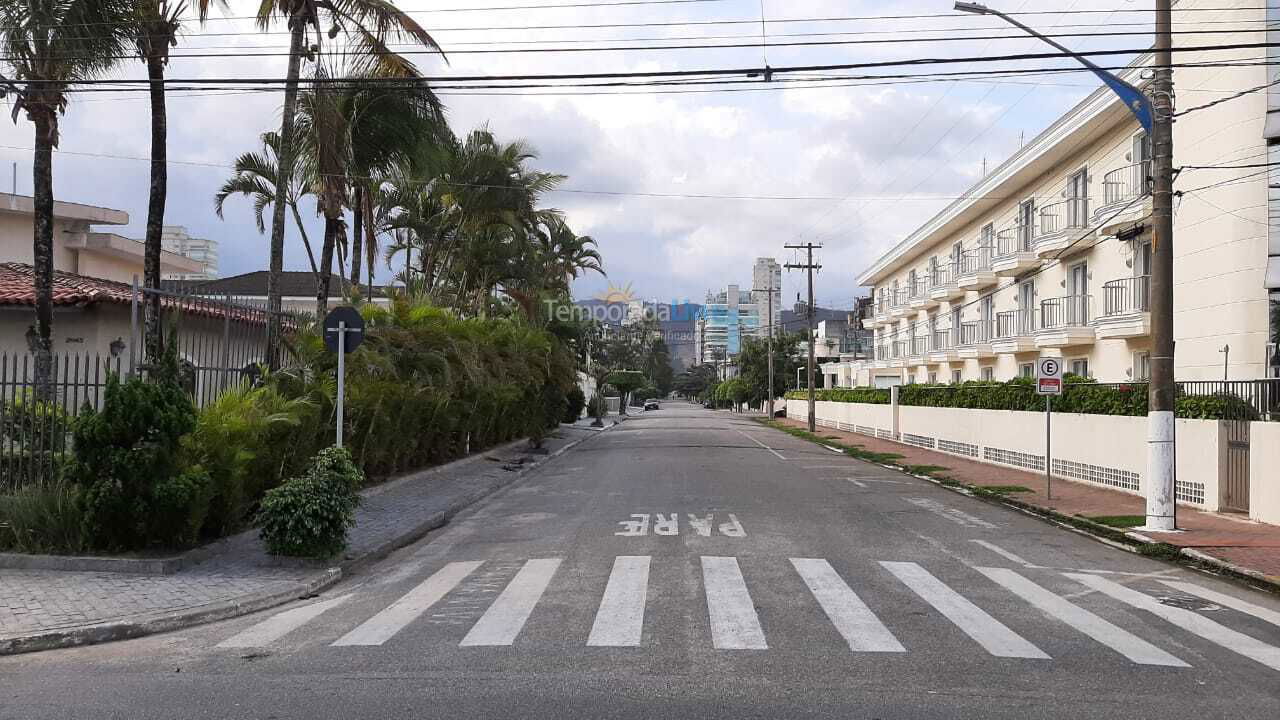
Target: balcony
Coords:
[[942, 284], [942, 348], [898, 307], [1126, 197], [898, 354], [1015, 332], [1065, 322], [1064, 227], [919, 347], [919, 298], [975, 340], [1014, 255], [975, 269], [1125, 309]]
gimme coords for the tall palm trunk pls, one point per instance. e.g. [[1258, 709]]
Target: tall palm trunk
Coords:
[[155, 208], [357, 234], [287, 156], [369, 246], [331, 229], [46, 122]]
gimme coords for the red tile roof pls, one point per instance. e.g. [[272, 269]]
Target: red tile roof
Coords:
[[17, 287]]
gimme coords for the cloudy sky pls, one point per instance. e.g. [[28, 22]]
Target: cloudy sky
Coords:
[[872, 161]]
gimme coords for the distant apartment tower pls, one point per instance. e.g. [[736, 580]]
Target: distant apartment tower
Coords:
[[176, 240], [727, 317], [766, 277]]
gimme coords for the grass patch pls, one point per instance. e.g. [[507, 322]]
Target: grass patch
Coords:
[[1006, 489], [830, 437], [927, 470], [1119, 521]]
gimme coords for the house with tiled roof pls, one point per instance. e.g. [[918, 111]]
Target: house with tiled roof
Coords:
[[297, 289]]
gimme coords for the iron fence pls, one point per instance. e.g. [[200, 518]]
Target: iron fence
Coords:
[[36, 423]]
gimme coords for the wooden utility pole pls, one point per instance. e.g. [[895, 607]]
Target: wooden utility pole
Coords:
[[810, 267]]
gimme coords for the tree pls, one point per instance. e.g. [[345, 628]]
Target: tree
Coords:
[[625, 381], [257, 176], [658, 367], [369, 24], [694, 382], [753, 365], [49, 45], [153, 30]]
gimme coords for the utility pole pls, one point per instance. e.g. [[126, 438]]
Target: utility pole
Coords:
[[810, 267], [1160, 416], [770, 291]]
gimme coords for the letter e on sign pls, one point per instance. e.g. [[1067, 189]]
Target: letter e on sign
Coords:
[[1049, 376]]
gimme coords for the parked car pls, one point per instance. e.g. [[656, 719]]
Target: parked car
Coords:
[[651, 405]]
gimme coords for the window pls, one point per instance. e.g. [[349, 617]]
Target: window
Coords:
[[1026, 307], [1027, 370], [988, 373], [987, 314], [1078, 199], [933, 378], [955, 377], [1080, 367], [911, 283], [1142, 259], [1026, 223], [1142, 366], [988, 237]]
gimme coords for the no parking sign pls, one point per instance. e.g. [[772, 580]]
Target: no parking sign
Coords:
[[1049, 376]]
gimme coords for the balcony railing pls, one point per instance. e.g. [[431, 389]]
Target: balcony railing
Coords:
[[919, 345], [1069, 311], [919, 288], [899, 349], [1015, 323], [1126, 183], [976, 332], [1069, 214], [883, 352], [942, 275], [976, 260], [942, 340], [1012, 240], [1126, 296]]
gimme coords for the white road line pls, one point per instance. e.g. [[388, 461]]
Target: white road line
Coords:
[[851, 617], [506, 617], [734, 624], [383, 626], [859, 483], [1188, 620], [1224, 600], [975, 622], [620, 619], [1122, 641], [281, 624], [1003, 553], [766, 447], [957, 516]]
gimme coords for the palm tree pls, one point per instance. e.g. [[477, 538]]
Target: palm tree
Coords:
[[369, 24], [257, 175], [154, 29], [48, 46]]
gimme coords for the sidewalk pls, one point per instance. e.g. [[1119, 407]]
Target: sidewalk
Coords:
[[1235, 540], [42, 609]]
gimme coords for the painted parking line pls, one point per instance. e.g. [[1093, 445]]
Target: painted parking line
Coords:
[[620, 619], [766, 447], [734, 624], [281, 624], [1188, 620], [955, 515], [1225, 600], [988, 632], [505, 618], [384, 626], [1122, 641], [851, 617]]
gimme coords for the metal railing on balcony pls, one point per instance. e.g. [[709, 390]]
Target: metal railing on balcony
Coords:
[[1015, 323], [1126, 183], [976, 260], [1126, 296], [1012, 240], [975, 333], [942, 275], [899, 349], [919, 288], [942, 340], [1069, 311], [919, 345], [882, 352], [1069, 214]]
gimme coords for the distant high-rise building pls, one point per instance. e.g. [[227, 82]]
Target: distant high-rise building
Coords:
[[727, 317], [175, 239], [766, 276]]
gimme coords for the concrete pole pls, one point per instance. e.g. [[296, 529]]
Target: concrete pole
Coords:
[[770, 390], [1160, 417]]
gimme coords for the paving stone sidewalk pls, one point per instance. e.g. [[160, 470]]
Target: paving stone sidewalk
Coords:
[[1233, 539], [50, 608]]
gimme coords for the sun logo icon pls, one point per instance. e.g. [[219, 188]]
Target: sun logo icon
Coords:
[[617, 294]]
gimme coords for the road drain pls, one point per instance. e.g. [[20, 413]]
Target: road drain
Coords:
[[1187, 602]]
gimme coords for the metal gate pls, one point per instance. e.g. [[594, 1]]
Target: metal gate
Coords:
[[1235, 493]]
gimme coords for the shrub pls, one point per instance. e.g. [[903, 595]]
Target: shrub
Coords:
[[43, 518], [575, 401], [309, 515], [126, 462]]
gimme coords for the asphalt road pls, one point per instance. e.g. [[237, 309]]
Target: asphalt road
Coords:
[[690, 564]]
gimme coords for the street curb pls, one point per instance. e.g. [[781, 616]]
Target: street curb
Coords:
[[151, 624], [1132, 542]]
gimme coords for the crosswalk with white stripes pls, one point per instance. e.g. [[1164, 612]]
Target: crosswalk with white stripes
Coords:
[[735, 625]]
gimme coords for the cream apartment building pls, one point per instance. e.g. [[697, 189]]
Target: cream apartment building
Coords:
[[1049, 254]]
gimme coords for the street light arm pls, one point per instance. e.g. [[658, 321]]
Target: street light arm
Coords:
[[1134, 99]]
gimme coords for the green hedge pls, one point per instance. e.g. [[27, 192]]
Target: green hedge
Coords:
[[1079, 396]]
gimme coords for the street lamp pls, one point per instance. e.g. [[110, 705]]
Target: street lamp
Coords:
[[1134, 99]]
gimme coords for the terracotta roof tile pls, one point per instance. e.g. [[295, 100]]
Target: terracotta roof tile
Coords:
[[17, 287]]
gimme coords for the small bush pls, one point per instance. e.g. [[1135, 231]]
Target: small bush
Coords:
[[309, 515], [575, 400], [43, 519]]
